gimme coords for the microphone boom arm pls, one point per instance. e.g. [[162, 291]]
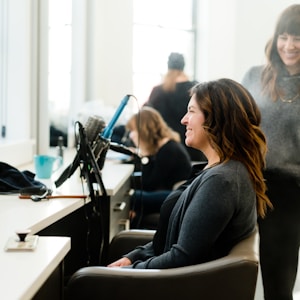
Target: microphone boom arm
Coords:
[[86, 152], [107, 133]]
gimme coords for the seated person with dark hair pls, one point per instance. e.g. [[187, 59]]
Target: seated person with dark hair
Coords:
[[218, 207]]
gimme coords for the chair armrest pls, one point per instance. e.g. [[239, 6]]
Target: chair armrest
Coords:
[[226, 278], [231, 277], [127, 240]]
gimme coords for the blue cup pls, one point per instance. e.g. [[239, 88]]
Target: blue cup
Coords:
[[44, 165]]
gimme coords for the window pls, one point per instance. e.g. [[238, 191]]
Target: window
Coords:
[[42, 41], [59, 66], [3, 64], [17, 107], [60, 53], [161, 27]]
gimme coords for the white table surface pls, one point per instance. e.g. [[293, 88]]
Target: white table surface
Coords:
[[24, 272], [16, 213], [19, 214], [113, 175]]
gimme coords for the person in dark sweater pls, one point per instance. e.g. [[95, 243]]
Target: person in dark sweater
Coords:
[[163, 161], [171, 99], [218, 206], [276, 88]]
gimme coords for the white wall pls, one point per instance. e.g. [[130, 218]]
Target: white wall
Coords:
[[110, 50]]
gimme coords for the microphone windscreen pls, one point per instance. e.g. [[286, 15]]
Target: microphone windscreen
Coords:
[[93, 127]]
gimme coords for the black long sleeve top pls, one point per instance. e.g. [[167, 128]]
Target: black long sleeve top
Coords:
[[171, 164]]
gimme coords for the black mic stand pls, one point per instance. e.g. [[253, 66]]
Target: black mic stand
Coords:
[[90, 158], [90, 171]]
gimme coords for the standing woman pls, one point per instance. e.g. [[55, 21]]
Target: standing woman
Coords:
[[276, 88]]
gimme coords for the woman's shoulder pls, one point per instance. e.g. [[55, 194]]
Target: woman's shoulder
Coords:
[[231, 165], [252, 74], [156, 93], [172, 145], [256, 68], [175, 151], [231, 170], [186, 84]]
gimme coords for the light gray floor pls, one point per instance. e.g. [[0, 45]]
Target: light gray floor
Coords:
[[259, 288]]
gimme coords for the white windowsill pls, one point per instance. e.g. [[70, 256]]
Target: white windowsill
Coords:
[[17, 153]]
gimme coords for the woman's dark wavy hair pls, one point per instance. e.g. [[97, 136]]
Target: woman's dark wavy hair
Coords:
[[232, 122], [288, 22]]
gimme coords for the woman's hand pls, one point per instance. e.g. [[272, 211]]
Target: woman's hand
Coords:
[[122, 262]]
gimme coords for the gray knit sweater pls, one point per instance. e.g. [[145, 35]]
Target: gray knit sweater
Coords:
[[281, 124], [215, 211]]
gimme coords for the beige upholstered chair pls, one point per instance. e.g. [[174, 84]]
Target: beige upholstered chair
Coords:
[[232, 277]]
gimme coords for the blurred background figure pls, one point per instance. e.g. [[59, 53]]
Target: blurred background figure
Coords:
[[171, 98], [164, 161]]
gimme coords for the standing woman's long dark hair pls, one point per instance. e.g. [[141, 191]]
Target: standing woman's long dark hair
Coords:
[[232, 122]]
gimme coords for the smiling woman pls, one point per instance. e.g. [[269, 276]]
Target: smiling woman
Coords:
[[217, 206], [276, 88], [288, 46]]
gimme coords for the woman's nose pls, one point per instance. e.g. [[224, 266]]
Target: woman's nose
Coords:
[[183, 120], [290, 43]]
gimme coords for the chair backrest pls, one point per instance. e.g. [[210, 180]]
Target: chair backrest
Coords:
[[232, 277]]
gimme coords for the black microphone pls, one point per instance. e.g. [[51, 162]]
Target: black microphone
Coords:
[[94, 126], [93, 130], [98, 137], [90, 133], [122, 149]]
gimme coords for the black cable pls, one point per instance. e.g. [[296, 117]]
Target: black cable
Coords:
[[134, 199]]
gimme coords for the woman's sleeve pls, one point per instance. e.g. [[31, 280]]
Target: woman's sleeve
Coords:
[[205, 218], [251, 76], [141, 253]]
